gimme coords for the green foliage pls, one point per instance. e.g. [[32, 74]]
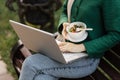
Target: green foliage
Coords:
[[7, 35]]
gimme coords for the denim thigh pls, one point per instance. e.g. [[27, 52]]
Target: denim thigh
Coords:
[[42, 65]]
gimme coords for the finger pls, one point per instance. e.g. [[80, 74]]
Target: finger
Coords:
[[64, 33], [63, 49], [62, 44], [66, 24]]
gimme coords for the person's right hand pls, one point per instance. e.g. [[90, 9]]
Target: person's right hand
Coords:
[[71, 47], [64, 32]]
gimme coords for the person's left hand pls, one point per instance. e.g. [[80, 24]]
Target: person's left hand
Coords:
[[71, 47], [64, 32]]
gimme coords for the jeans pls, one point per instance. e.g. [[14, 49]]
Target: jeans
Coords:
[[41, 67]]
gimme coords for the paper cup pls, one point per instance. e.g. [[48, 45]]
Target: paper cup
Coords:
[[75, 35]]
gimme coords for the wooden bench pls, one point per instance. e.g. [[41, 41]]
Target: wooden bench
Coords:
[[109, 67]]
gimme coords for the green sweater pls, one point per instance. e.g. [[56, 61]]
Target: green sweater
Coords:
[[101, 15]]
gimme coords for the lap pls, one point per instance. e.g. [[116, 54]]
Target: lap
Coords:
[[42, 59], [46, 65]]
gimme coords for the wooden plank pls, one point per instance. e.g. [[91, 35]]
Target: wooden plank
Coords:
[[113, 58], [115, 75], [116, 49], [85, 78], [99, 75]]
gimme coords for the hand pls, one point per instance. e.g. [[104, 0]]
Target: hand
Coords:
[[64, 32], [71, 47]]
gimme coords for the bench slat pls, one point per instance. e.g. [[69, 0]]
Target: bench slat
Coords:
[[115, 75], [98, 75], [116, 49], [113, 58], [85, 78]]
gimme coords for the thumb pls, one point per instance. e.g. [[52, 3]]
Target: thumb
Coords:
[[64, 32]]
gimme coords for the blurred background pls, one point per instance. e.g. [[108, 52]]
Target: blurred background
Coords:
[[7, 35]]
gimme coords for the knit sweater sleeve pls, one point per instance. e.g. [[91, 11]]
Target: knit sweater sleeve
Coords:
[[63, 17], [111, 16]]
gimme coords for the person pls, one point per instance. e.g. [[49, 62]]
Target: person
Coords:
[[101, 15]]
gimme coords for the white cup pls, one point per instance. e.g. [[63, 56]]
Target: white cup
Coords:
[[76, 35]]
